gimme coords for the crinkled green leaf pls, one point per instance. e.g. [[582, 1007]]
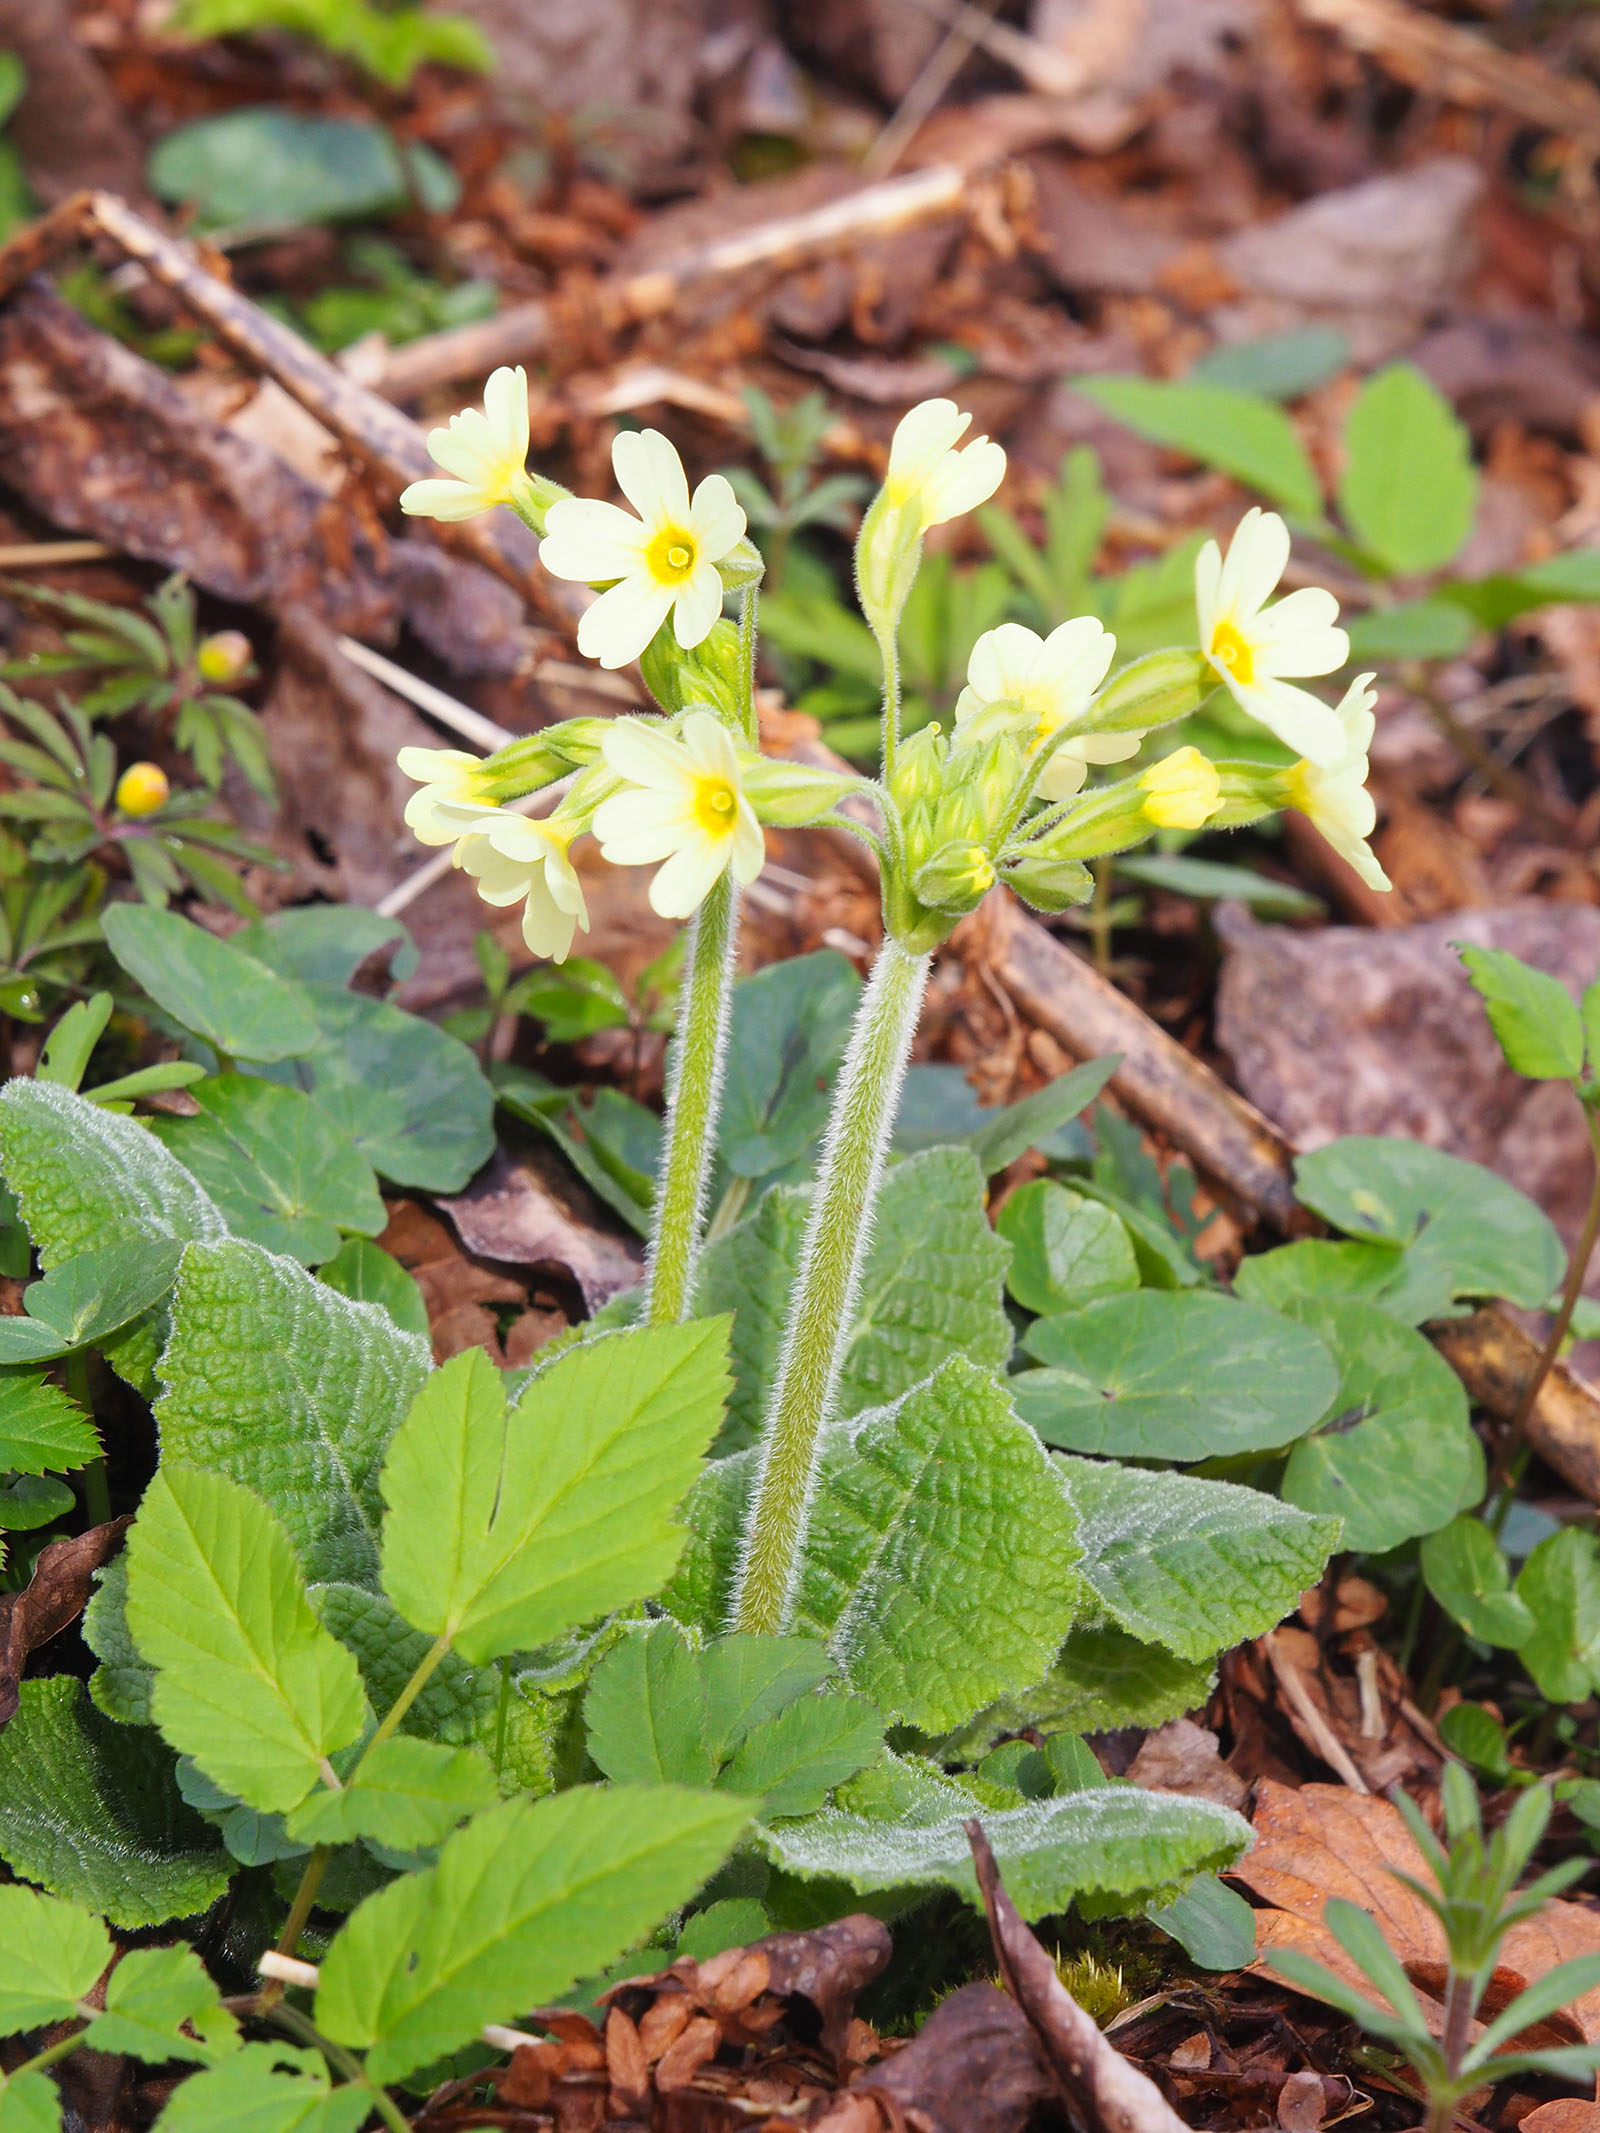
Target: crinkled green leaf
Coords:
[[1112, 1840], [212, 987], [51, 1954], [527, 1898], [1066, 1251], [939, 1563], [406, 1794], [92, 1811], [154, 1998], [266, 2088], [1102, 1679], [1161, 1375], [1465, 1568], [1396, 1455], [366, 1273], [456, 1698], [284, 1175], [931, 1288], [1461, 1222], [507, 1526], [78, 1172], [1194, 1565], [120, 1684], [41, 1429], [248, 1682], [276, 1380]]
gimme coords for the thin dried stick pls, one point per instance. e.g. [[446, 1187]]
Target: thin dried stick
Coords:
[[1323, 1740]]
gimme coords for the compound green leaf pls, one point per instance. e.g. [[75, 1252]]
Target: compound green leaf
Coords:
[[30, 2103], [1532, 1014], [1066, 1251], [248, 1682], [506, 1527], [1248, 437], [1409, 488], [209, 986], [1465, 1568], [406, 1794], [1194, 1565], [93, 1812], [751, 1679], [1163, 1375], [527, 1898], [791, 1763], [51, 1954], [939, 1563], [154, 1998], [41, 1430], [412, 1097], [1396, 1456], [283, 1174], [931, 1288], [645, 1711], [1111, 1840], [266, 2088], [1463, 1225], [274, 1378]]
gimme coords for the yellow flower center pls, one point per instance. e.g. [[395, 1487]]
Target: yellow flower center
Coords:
[[715, 806], [1230, 648], [670, 557], [1298, 789]]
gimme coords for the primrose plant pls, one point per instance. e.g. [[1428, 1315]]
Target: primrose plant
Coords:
[[1003, 799]]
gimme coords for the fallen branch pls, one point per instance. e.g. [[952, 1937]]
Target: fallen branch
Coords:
[[1462, 67], [1098, 2085]]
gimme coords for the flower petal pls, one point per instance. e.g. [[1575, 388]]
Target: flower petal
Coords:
[[650, 475], [716, 517], [647, 755], [696, 606], [590, 542], [1256, 559], [637, 828], [1301, 721], [963, 481], [749, 844], [617, 627], [922, 437], [445, 500], [505, 404], [1002, 661], [683, 883]]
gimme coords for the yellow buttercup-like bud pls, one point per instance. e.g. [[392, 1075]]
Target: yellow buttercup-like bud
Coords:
[[142, 789], [224, 657], [1181, 791]]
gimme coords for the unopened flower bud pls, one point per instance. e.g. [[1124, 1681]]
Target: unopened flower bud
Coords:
[[787, 795], [1152, 691], [1181, 791], [955, 879], [143, 789], [1247, 791], [741, 567], [1048, 884], [525, 765], [224, 658], [708, 678]]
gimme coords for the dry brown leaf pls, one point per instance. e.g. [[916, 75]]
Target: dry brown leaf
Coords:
[[1318, 1841], [55, 1595], [1567, 2114]]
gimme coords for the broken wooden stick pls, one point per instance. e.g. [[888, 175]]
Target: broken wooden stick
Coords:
[[1100, 2087]]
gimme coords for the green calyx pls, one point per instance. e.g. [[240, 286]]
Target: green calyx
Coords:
[[532, 498], [789, 795], [1046, 883], [709, 678], [1153, 691]]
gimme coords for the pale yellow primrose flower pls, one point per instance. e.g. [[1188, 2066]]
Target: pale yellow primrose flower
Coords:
[[1335, 795], [518, 860], [485, 449], [687, 806], [1040, 684], [1253, 647], [664, 562], [1181, 791], [927, 473], [451, 803]]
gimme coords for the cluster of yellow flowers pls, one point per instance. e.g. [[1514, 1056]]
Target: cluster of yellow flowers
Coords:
[[687, 797]]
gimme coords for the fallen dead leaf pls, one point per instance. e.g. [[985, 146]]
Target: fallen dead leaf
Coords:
[[1184, 1757], [530, 1210], [55, 1595]]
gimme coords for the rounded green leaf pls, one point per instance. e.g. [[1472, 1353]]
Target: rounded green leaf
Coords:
[[1066, 1251], [1465, 1569], [1396, 1455], [1463, 1225], [210, 986], [366, 1273], [1165, 1375]]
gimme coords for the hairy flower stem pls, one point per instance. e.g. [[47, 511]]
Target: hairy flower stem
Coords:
[[692, 1104], [749, 603], [821, 1319]]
